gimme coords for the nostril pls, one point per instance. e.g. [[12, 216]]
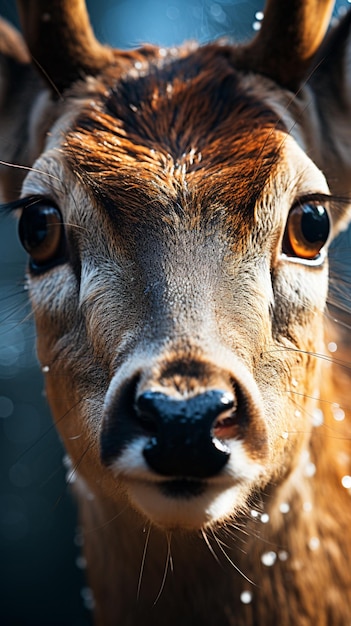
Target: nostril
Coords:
[[147, 413], [226, 425]]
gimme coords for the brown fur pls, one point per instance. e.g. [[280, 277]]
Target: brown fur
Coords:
[[175, 175], [122, 149]]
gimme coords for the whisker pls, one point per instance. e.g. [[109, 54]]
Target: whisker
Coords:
[[107, 523], [210, 547], [230, 560], [168, 565], [318, 355], [29, 169], [318, 399], [49, 79], [142, 564]]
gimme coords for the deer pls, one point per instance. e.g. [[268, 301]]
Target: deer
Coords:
[[177, 207]]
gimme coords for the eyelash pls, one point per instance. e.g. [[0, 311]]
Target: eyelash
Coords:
[[9, 207]]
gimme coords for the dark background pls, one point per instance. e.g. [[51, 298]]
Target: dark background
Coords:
[[42, 582]]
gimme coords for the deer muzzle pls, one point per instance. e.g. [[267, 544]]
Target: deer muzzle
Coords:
[[185, 418]]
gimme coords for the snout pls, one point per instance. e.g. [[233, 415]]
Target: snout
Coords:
[[183, 419], [186, 438], [182, 440]]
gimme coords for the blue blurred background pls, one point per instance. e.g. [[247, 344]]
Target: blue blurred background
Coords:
[[42, 574]]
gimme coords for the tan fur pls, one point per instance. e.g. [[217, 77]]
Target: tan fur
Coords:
[[175, 175]]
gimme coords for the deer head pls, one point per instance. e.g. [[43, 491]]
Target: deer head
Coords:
[[177, 213]]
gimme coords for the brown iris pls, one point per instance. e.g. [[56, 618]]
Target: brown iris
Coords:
[[306, 232], [42, 235]]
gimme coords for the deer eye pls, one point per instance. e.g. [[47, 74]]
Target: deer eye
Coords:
[[42, 235], [306, 231]]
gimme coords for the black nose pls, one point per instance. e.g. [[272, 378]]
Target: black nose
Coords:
[[181, 439]]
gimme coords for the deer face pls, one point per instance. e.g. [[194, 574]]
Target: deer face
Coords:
[[178, 303]]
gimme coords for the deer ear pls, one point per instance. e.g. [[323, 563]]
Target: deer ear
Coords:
[[291, 33], [61, 40], [19, 87]]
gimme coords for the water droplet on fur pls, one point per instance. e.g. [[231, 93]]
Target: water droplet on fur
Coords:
[[264, 518], [138, 65], [314, 543], [246, 597], [285, 435], [297, 413], [305, 456], [254, 513], [346, 482], [284, 507], [344, 458], [283, 555], [256, 26], [310, 469], [45, 369], [294, 382], [317, 417], [338, 413], [332, 346], [269, 558]]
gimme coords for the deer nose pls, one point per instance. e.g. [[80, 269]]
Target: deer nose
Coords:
[[182, 432]]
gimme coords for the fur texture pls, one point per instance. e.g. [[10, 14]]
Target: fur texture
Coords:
[[175, 175]]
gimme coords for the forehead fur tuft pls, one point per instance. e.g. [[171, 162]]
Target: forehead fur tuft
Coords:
[[184, 134]]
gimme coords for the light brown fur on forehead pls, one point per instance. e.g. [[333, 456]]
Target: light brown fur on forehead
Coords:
[[187, 134]]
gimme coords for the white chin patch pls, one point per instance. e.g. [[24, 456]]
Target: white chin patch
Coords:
[[189, 503], [185, 512]]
